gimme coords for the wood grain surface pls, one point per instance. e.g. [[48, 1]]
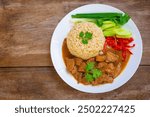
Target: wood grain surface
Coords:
[[26, 70], [44, 83]]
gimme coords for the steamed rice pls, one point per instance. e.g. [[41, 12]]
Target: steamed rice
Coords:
[[94, 46]]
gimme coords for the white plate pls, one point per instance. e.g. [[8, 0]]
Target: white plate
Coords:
[[61, 32]]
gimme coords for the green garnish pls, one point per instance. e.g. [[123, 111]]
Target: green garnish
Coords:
[[97, 15], [98, 18], [110, 23], [124, 19], [99, 22], [89, 77], [96, 73], [89, 66], [81, 34], [88, 35], [92, 73], [84, 41], [85, 37], [118, 32]]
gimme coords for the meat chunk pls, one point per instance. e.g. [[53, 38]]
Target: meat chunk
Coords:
[[84, 81], [103, 79], [78, 76], [107, 79], [110, 69], [101, 65], [118, 70], [111, 57], [70, 64], [82, 67], [78, 61], [74, 70], [111, 66], [91, 60], [100, 58]]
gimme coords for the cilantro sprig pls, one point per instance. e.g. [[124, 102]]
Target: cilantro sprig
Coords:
[[91, 72], [96, 73], [89, 66], [85, 37]]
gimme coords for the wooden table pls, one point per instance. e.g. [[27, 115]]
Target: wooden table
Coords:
[[26, 70]]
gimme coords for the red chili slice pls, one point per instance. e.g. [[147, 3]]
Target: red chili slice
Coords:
[[120, 44]]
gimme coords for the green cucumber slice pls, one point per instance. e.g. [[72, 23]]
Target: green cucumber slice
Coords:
[[123, 33], [106, 26], [123, 36], [109, 33], [108, 22]]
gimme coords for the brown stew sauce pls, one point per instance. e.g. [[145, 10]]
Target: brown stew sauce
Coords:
[[110, 63]]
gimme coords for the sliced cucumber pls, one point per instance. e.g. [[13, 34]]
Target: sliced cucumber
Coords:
[[123, 36], [107, 25], [113, 28], [108, 22], [123, 33], [109, 33]]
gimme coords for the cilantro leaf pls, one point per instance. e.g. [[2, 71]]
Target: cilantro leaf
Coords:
[[81, 34], [85, 36], [89, 77], [88, 35], [89, 66], [92, 73], [84, 41], [96, 73]]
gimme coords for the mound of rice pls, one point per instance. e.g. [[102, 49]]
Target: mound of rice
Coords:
[[85, 51]]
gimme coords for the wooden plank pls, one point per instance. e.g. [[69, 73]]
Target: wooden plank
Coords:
[[26, 28], [44, 83]]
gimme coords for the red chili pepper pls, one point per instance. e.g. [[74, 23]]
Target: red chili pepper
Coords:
[[130, 46], [120, 44], [129, 51]]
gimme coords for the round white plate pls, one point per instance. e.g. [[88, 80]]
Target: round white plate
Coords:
[[61, 32]]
